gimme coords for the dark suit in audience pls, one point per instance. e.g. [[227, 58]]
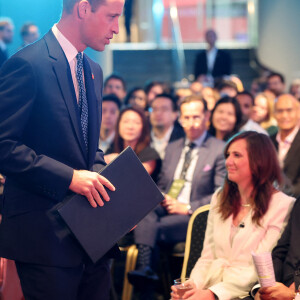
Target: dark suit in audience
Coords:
[[222, 64], [291, 167]]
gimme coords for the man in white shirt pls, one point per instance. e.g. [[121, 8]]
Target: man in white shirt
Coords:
[[164, 125], [212, 62], [50, 107], [287, 141], [115, 84]]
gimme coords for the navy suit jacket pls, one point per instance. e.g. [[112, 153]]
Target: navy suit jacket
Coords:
[[3, 57], [209, 173], [222, 65], [291, 167], [41, 142], [286, 254]]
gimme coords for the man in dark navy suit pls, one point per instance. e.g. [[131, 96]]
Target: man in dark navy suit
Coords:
[[49, 130], [212, 62]]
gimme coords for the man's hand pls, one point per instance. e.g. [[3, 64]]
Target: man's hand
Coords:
[[277, 292], [90, 184], [174, 207]]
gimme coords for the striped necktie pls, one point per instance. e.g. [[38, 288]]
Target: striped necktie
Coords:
[[82, 101]]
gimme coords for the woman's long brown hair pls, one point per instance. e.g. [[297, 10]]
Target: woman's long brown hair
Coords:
[[265, 171]]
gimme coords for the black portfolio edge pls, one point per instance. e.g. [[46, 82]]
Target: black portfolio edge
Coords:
[[73, 204]]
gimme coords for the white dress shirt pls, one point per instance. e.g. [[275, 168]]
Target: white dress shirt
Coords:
[[160, 144], [185, 194], [210, 58], [70, 53]]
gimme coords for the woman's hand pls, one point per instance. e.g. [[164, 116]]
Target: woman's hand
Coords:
[[194, 294]]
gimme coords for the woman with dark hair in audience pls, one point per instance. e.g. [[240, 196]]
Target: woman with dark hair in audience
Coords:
[[133, 130], [136, 97], [226, 118], [246, 215]]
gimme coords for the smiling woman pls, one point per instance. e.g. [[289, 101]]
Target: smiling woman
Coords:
[[133, 130], [246, 215]]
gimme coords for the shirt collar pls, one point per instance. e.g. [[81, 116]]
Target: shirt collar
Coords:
[[2, 45], [165, 138], [199, 141], [68, 48], [290, 138]]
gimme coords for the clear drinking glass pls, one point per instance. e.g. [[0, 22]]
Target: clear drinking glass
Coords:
[[183, 285]]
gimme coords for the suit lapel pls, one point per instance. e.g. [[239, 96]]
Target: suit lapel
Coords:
[[94, 127], [293, 151], [176, 157], [203, 152], [61, 69]]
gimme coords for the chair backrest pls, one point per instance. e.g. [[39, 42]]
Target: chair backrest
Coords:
[[194, 239]]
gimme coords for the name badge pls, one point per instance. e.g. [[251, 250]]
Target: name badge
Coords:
[[176, 188]]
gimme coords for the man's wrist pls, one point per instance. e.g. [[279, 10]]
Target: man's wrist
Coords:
[[189, 209]]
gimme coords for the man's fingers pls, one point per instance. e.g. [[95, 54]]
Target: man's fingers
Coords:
[[106, 182], [100, 188], [97, 197], [90, 198]]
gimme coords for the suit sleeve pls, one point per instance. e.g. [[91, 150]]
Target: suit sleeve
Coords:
[[44, 175]]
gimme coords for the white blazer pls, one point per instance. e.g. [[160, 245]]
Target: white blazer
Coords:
[[228, 270]]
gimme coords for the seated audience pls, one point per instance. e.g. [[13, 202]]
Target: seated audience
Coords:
[[133, 130], [263, 112], [287, 141], [247, 214], [276, 84], [154, 88], [295, 88], [246, 101], [110, 112], [192, 170], [225, 119], [164, 125], [115, 84], [136, 97], [286, 260]]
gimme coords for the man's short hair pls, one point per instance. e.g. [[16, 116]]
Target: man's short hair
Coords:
[[274, 74], [246, 93], [117, 77], [25, 28], [112, 98], [193, 98], [4, 22], [169, 96], [69, 4]]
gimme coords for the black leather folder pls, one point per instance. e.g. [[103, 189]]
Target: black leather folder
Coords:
[[98, 229]]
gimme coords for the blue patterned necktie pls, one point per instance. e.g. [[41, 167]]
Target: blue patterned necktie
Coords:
[[82, 101]]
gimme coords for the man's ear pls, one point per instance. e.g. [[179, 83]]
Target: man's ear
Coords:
[[83, 8]]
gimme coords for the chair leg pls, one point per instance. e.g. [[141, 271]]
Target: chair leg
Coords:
[[131, 259]]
